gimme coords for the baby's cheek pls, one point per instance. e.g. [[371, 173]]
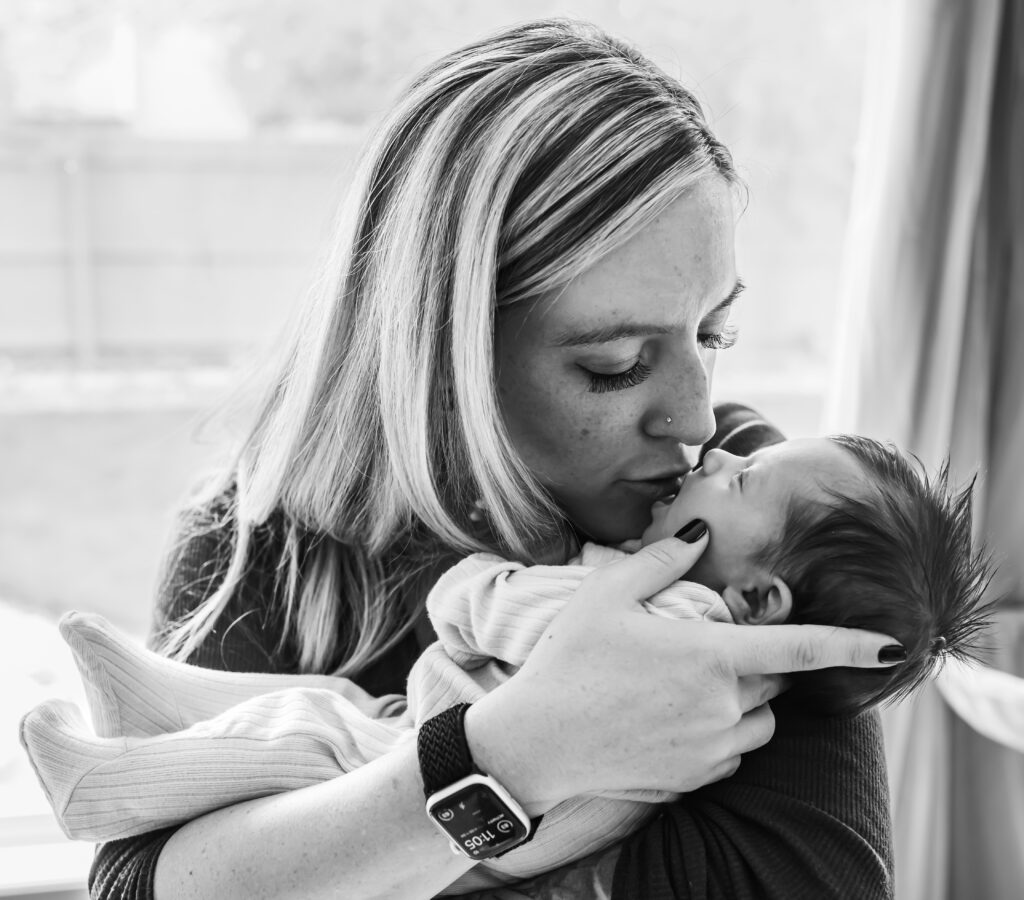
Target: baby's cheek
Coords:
[[650, 535], [668, 519]]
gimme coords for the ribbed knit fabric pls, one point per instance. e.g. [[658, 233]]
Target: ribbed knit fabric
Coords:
[[806, 816]]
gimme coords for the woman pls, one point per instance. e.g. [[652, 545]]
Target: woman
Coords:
[[513, 344]]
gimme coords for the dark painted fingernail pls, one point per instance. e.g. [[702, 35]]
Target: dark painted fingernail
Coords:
[[693, 531], [892, 653]]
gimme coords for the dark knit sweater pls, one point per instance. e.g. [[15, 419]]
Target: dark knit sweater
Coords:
[[804, 817]]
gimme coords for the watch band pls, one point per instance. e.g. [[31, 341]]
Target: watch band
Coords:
[[445, 758], [443, 751]]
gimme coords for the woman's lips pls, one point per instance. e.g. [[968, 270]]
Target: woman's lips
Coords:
[[658, 488]]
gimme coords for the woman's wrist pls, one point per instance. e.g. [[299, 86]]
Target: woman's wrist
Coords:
[[503, 748]]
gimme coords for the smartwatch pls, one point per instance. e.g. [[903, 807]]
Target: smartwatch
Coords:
[[478, 816]]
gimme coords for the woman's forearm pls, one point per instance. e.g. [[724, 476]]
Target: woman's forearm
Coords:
[[362, 835]]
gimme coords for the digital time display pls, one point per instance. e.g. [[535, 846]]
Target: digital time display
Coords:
[[477, 820]]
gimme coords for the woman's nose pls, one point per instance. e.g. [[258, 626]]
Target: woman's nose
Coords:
[[685, 414]]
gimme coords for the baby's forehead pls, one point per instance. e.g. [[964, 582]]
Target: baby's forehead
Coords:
[[816, 468], [816, 451]]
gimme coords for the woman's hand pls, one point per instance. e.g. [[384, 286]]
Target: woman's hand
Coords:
[[613, 698]]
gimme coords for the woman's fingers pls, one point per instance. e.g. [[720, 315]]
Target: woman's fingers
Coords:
[[801, 648], [757, 690], [649, 570], [756, 651], [754, 730]]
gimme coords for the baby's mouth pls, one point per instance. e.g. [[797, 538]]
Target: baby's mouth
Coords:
[[680, 481], [669, 499]]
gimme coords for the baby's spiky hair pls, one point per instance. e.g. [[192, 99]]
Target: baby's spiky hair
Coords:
[[897, 558]]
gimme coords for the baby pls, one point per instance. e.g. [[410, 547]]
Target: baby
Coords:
[[840, 531]]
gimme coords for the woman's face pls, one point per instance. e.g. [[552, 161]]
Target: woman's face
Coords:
[[588, 378]]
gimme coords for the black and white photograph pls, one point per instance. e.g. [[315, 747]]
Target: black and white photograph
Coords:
[[524, 450]]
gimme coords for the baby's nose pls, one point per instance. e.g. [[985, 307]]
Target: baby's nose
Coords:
[[713, 461], [716, 459]]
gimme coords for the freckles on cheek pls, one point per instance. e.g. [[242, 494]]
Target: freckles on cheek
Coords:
[[584, 437]]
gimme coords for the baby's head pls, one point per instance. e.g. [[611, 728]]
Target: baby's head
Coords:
[[838, 531]]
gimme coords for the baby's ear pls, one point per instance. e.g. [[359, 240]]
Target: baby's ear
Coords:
[[769, 604]]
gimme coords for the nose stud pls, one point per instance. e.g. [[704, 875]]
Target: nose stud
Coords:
[[668, 420]]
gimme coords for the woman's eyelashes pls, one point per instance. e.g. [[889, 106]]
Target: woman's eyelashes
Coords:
[[618, 381], [638, 372], [719, 340]]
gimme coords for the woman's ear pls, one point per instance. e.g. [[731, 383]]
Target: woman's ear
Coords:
[[769, 604]]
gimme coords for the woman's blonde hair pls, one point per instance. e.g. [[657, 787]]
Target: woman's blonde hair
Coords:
[[506, 169]]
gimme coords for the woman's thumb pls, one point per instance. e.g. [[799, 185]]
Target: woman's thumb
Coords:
[[655, 566]]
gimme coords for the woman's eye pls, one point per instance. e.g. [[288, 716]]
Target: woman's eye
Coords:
[[618, 381], [719, 340]]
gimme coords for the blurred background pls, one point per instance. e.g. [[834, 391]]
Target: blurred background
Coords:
[[169, 170]]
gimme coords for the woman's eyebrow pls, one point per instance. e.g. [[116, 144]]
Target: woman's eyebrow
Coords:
[[604, 334], [738, 288]]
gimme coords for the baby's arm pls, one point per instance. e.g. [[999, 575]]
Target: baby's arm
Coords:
[[487, 607]]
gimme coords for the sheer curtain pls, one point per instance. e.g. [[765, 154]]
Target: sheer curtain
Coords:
[[933, 358]]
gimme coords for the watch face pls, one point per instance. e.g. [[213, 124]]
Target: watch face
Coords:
[[478, 821]]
